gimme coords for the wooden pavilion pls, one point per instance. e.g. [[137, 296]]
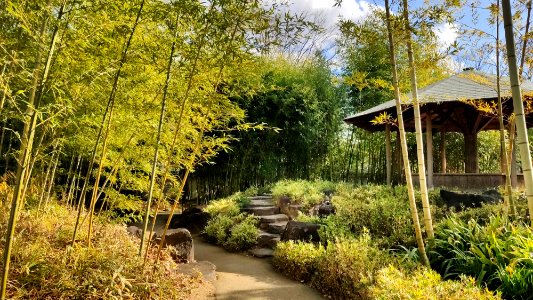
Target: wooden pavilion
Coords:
[[445, 108]]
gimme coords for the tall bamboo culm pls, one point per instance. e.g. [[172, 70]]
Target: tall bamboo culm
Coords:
[[428, 222], [403, 142], [521, 128], [508, 200], [28, 133]]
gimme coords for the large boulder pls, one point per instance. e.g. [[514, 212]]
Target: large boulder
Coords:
[[326, 208], [301, 231], [469, 200], [182, 244]]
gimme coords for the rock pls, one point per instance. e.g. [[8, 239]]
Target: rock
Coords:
[[301, 231], [276, 228], [262, 252], [262, 210], [267, 240], [284, 203], [325, 209], [135, 231], [260, 203], [293, 211], [261, 197], [273, 218], [207, 269], [469, 200], [181, 241]]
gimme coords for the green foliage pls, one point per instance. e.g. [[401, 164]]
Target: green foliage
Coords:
[[306, 193], [43, 269], [227, 206], [498, 254], [421, 284], [234, 231], [218, 228], [298, 260], [348, 268], [242, 235], [382, 210]]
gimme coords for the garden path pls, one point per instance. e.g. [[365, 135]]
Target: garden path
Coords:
[[244, 277]]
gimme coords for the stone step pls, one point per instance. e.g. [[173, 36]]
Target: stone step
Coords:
[[261, 197], [268, 240], [262, 252], [260, 203], [276, 228], [273, 218], [262, 210]]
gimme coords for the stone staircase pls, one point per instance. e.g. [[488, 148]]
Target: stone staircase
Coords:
[[272, 223]]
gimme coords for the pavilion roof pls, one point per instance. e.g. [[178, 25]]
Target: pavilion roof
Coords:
[[450, 92]]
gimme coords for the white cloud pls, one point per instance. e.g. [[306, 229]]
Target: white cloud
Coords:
[[447, 34], [350, 9]]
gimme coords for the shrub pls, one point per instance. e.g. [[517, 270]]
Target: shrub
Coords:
[[242, 235], [298, 260], [235, 233], [422, 284], [303, 192], [348, 268], [218, 228], [227, 206], [43, 267], [383, 210], [498, 254]]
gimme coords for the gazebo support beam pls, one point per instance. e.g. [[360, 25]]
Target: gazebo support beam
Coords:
[[471, 153], [429, 151], [442, 149]]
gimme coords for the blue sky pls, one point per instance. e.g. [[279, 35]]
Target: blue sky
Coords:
[[470, 17]]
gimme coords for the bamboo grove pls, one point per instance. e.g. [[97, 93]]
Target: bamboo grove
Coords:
[[115, 99], [127, 108]]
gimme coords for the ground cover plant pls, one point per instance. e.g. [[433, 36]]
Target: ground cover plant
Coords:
[[356, 269], [230, 228], [358, 266], [45, 266], [497, 254]]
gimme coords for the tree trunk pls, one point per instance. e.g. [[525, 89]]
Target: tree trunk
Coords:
[[52, 177], [508, 198], [403, 141], [428, 222], [28, 133], [111, 103], [156, 152], [523, 142]]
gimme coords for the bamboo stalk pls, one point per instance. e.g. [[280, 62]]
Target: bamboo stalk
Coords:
[[428, 222], [509, 209], [196, 148], [156, 151], [407, 167], [111, 103], [523, 142], [28, 134]]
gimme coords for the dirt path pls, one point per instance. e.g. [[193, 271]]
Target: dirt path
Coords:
[[243, 277]]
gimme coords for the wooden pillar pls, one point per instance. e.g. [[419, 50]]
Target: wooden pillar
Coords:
[[471, 157], [388, 154], [429, 151], [442, 149]]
